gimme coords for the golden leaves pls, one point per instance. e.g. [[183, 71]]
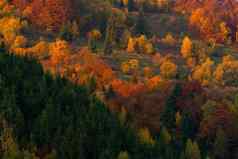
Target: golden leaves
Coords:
[[186, 48]]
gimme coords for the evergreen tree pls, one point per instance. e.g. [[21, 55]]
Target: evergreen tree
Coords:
[[220, 145], [188, 127], [196, 151], [165, 136], [110, 35], [141, 24], [192, 150], [168, 116], [131, 5], [65, 32], [2, 44]]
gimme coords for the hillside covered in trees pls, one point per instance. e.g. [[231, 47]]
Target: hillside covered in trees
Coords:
[[118, 79]]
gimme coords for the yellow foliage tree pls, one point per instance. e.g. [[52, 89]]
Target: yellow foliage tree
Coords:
[[169, 40], [10, 27], [145, 136], [148, 48], [186, 48], [130, 66], [224, 32], [123, 155], [140, 45], [226, 73], [168, 69], [203, 72], [125, 67], [131, 45]]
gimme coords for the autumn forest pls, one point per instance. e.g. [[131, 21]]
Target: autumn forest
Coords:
[[118, 79]]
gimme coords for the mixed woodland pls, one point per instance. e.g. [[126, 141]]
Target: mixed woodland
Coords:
[[118, 79]]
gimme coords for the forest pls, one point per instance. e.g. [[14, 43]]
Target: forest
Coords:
[[118, 79]]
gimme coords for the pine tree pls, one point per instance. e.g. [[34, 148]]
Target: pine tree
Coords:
[[168, 115], [165, 136], [110, 35], [131, 5], [141, 25], [220, 145], [192, 150], [196, 151], [65, 32], [2, 44], [188, 127], [123, 155]]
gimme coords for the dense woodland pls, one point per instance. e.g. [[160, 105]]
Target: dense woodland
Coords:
[[118, 79]]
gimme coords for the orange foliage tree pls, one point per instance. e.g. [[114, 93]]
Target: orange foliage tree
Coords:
[[59, 50]]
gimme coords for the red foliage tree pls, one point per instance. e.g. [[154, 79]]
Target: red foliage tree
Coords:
[[50, 14], [191, 99]]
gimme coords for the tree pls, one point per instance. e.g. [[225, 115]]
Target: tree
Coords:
[[168, 70], [204, 72], [131, 5], [51, 14], [93, 37], [188, 127], [145, 136], [75, 30], [141, 24], [226, 72], [65, 32], [192, 150], [186, 48], [165, 136], [131, 45], [59, 50], [123, 155], [2, 44], [20, 41], [224, 32], [220, 145], [169, 40], [168, 115], [110, 35]]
